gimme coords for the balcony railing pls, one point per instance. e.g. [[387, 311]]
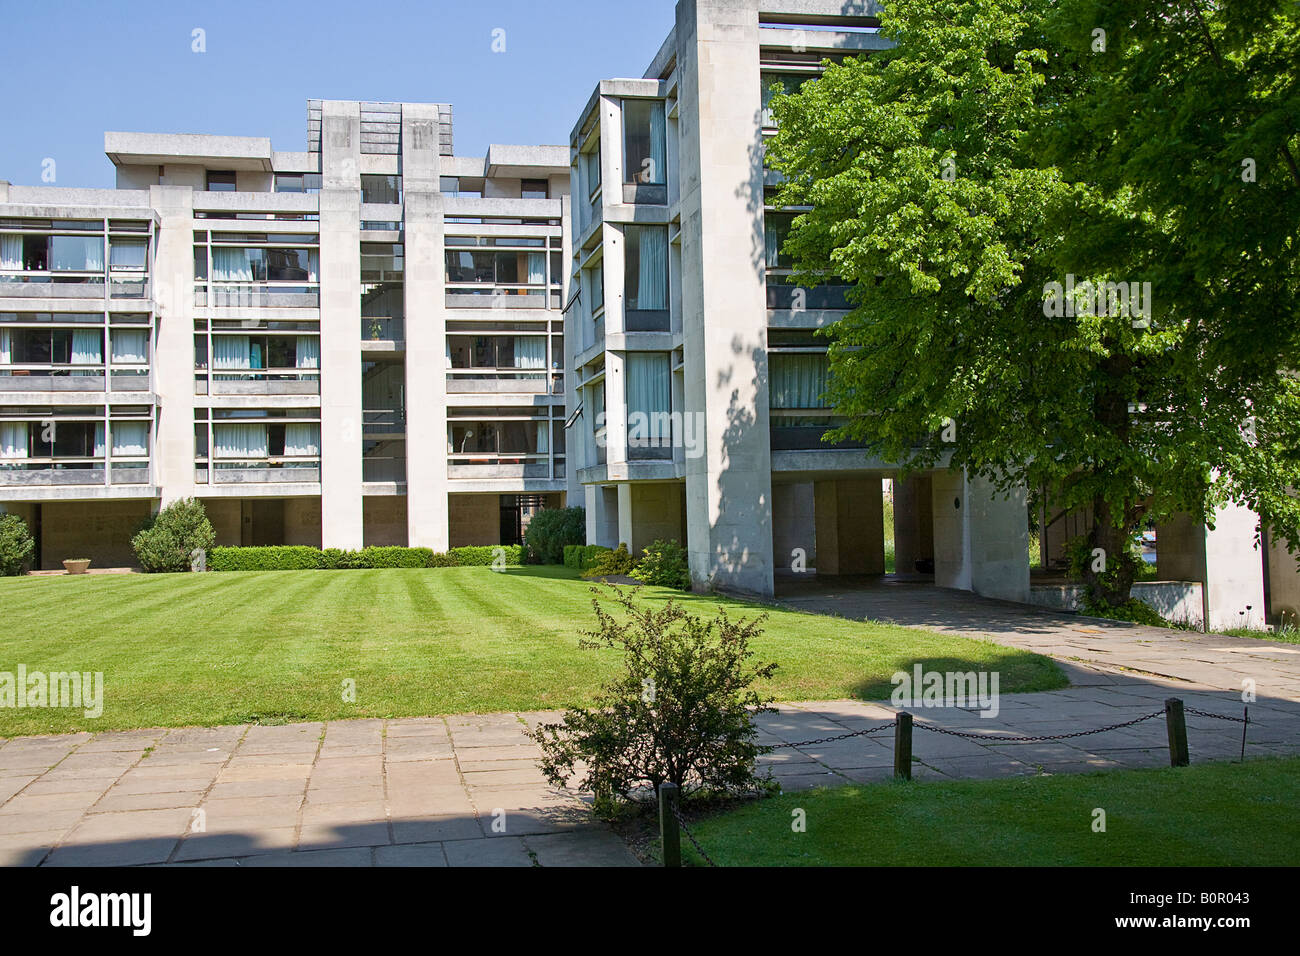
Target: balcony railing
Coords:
[[46, 285], [505, 380], [257, 295], [271, 381], [486, 296], [376, 422], [487, 465], [73, 378], [242, 471], [59, 472]]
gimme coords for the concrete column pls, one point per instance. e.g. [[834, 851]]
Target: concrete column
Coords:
[[426, 332], [981, 539], [724, 319], [1283, 584], [602, 515], [173, 358], [625, 529], [1226, 561], [342, 521], [913, 523]]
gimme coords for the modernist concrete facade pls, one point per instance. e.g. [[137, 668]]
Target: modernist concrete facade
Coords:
[[682, 316], [357, 344], [379, 342]]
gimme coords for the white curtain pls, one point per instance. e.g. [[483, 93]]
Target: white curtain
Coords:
[[302, 440], [798, 380], [530, 351], [231, 264], [239, 441], [536, 268], [11, 252], [652, 279], [6, 346], [13, 439], [658, 147], [128, 254], [99, 440], [308, 351], [130, 439], [76, 254], [87, 349], [230, 352], [649, 391], [543, 437], [129, 346]]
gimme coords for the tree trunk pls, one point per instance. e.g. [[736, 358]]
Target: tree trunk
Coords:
[[1110, 570]]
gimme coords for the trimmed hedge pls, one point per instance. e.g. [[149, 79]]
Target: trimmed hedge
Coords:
[[302, 558], [582, 556]]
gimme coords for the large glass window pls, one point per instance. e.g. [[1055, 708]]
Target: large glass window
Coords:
[[221, 181], [534, 189], [797, 379], [385, 190], [645, 277], [649, 399], [775, 84], [128, 255], [253, 264], [776, 228], [644, 144], [76, 254]]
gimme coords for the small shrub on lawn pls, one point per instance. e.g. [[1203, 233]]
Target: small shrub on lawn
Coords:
[[552, 529], [483, 555], [610, 564], [682, 710], [664, 565], [582, 556], [16, 545], [172, 535], [301, 558]]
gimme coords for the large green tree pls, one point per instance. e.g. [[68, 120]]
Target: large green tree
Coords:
[[1007, 149]]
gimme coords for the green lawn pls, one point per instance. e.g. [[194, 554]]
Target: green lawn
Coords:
[[1212, 814], [186, 649]]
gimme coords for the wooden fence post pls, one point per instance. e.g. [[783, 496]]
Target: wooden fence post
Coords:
[[1176, 723], [903, 746], [670, 836]]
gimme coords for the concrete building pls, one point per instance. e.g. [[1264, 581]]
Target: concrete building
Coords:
[[357, 344], [695, 374]]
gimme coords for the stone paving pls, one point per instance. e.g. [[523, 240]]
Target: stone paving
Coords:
[[465, 790]]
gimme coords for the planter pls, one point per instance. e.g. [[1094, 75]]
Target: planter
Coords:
[[76, 565]]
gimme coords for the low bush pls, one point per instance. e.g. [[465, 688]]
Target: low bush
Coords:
[[278, 558], [16, 545], [484, 555], [610, 564], [664, 565], [582, 556], [681, 711], [166, 542], [553, 529], [394, 557]]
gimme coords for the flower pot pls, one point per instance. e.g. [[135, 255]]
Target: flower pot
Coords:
[[76, 565]]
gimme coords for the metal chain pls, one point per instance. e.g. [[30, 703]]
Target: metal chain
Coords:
[[1206, 713], [690, 836], [1077, 733], [826, 740]]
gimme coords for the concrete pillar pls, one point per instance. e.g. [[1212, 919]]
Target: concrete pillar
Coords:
[[1283, 584], [728, 486], [426, 332], [981, 539], [625, 530], [913, 523], [1227, 561], [602, 515], [173, 358], [342, 521]]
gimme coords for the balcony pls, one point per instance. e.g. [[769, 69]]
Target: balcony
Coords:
[[501, 297], [259, 382], [245, 471], [382, 329], [783, 297], [483, 466], [63, 472], [69, 378], [257, 295], [504, 381]]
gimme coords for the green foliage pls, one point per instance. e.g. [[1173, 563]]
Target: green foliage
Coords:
[[16, 545], [1132, 610], [171, 536], [992, 153], [664, 564], [681, 711], [552, 530], [582, 556], [484, 555], [300, 558], [610, 563]]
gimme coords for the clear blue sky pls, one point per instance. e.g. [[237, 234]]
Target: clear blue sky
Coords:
[[79, 68]]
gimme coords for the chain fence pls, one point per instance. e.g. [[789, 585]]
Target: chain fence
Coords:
[[868, 733]]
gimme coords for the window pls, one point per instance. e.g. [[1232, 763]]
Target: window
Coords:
[[297, 182], [649, 400], [591, 169], [497, 351], [64, 253], [596, 288], [644, 146], [221, 181], [797, 380], [499, 268], [384, 190], [776, 229], [777, 83], [645, 277], [534, 189], [381, 261], [251, 264], [128, 255]]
